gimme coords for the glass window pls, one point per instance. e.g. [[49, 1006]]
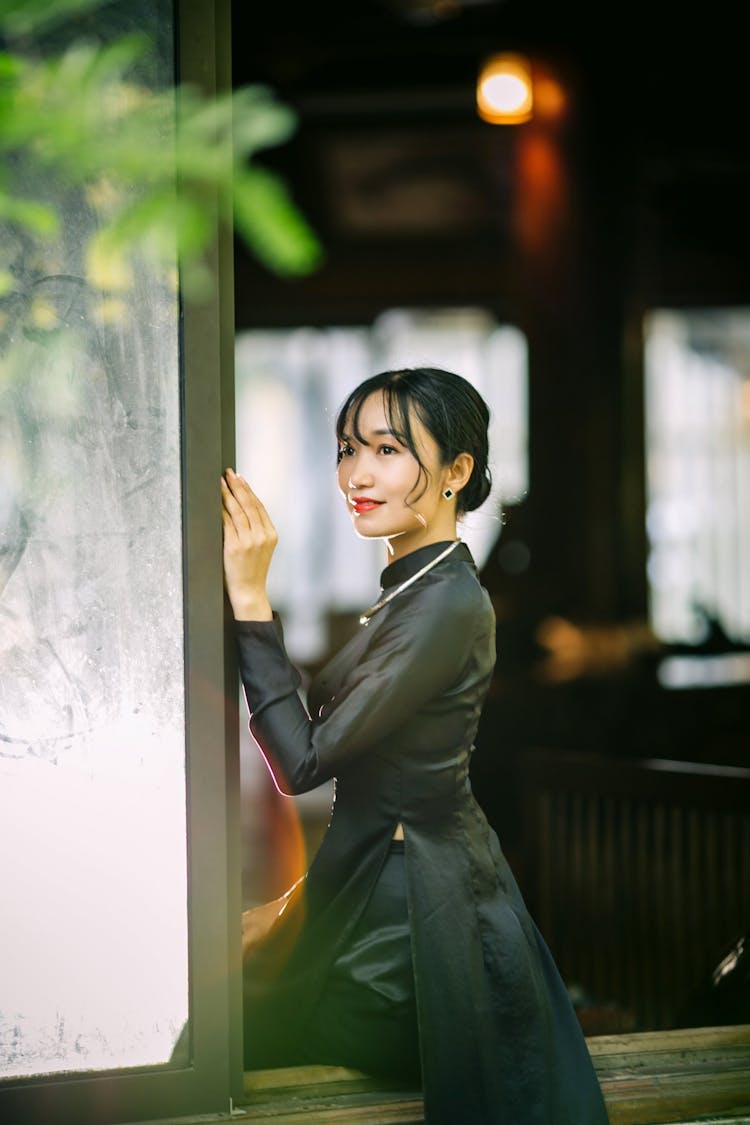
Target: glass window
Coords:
[[115, 749], [697, 417], [92, 728], [92, 732]]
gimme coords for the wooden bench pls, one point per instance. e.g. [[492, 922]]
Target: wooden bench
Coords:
[[682, 1077]]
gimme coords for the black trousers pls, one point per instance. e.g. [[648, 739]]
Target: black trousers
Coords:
[[366, 1017]]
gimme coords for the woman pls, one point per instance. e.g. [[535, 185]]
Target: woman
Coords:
[[412, 953]]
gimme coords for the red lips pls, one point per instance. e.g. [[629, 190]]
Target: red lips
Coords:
[[364, 504]]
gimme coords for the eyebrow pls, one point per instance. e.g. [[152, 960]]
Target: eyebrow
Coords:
[[375, 433]]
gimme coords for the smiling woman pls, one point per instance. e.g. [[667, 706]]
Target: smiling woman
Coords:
[[295, 379], [362, 968], [397, 479]]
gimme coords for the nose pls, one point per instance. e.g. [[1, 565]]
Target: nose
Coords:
[[360, 472], [360, 480]]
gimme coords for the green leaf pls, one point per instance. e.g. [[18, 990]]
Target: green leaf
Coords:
[[162, 225], [9, 66], [22, 17], [271, 224], [80, 120], [39, 218], [259, 121]]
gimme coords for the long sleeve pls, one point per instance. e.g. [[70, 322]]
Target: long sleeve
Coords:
[[414, 653]]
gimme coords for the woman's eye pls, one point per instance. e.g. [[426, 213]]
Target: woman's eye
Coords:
[[387, 449], [344, 451]]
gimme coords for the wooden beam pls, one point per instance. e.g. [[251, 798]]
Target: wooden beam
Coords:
[[684, 1077], [654, 1078]]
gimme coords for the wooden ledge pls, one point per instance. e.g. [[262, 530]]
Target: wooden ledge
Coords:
[[695, 1074], [686, 1077], [324, 1095]]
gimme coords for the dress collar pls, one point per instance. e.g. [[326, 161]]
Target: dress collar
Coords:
[[404, 568]]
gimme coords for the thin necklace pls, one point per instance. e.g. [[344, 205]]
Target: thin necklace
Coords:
[[384, 601]]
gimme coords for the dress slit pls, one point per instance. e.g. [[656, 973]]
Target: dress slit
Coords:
[[366, 1017]]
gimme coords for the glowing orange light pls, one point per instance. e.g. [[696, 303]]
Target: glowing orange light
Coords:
[[549, 98], [504, 90]]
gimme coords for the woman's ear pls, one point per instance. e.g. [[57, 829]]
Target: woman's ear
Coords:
[[458, 473]]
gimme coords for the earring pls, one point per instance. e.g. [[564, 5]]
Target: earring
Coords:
[[448, 494]]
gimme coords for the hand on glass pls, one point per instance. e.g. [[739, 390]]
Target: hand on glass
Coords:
[[249, 542]]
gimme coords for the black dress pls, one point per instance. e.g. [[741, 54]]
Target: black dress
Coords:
[[393, 718]]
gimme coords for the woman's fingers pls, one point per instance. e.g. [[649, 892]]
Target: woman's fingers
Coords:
[[230, 502], [250, 504], [249, 535], [227, 519], [233, 498], [247, 514], [249, 542]]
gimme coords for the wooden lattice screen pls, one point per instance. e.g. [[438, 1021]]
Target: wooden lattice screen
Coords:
[[638, 874]]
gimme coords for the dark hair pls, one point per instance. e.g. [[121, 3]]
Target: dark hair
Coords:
[[449, 408]]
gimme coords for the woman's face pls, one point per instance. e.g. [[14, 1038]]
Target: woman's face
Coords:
[[380, 479]]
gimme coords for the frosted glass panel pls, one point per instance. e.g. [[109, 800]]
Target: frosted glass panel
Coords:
[[94, 947]]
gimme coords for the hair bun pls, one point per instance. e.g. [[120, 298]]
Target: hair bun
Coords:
[[477, 489]]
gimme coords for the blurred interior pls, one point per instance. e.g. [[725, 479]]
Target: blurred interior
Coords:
[[597, 257]]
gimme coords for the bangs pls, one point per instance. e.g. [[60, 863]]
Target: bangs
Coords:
[[397, 405]]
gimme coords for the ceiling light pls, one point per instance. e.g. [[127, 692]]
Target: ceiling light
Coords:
[[504, 91]]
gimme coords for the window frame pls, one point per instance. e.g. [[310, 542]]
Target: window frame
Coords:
[[212, 1081]]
